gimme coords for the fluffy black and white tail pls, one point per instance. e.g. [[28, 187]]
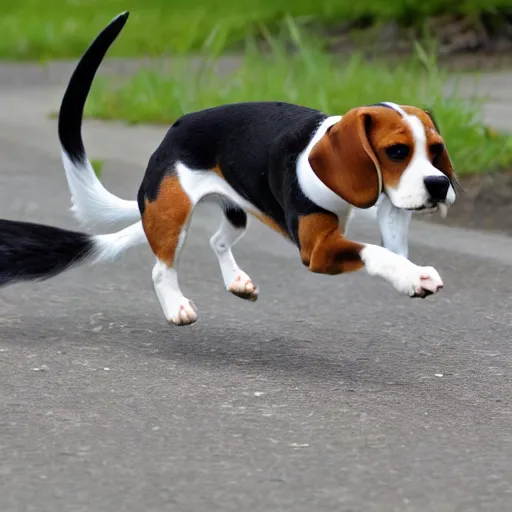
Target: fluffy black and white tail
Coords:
[[92, 204], [30, 252], [34, 252]]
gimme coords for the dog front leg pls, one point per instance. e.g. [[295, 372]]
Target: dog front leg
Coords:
[[394, 226], [325, 250]]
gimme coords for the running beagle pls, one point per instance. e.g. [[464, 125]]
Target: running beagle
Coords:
[[296, 169]]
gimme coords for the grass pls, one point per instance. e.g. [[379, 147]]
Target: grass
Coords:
[[309, 77], [43, 29], [97, 165]]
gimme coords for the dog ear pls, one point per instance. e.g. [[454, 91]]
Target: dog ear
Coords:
[[343, 159]]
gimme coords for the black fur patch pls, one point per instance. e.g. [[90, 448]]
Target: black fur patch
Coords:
[[73, 102], [36, 252], [381, 105], [255, 145], [236, 216]]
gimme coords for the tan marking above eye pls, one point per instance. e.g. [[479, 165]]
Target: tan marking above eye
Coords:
[[434, 139], [388, 140]]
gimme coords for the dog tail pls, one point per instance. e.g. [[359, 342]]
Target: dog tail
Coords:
[[35, 252], [92, 203]]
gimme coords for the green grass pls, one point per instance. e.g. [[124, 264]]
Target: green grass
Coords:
[[97, 165], [308, 77], [42, 29]]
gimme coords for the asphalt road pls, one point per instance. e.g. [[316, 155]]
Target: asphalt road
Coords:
[[328, 394]]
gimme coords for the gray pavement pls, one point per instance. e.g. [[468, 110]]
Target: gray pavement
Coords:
[[328, 394]]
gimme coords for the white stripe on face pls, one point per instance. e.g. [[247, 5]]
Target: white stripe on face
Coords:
[[411, 192]]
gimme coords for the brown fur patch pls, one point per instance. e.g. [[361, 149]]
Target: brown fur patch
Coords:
[[271, 223], [442, 160], [164, 218], [346, 157], [323, 249]]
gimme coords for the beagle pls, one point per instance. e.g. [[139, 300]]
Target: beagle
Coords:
[[296, 169]]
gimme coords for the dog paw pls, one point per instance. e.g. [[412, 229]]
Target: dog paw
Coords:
[[243, 287], [186, 314], [425, 281]]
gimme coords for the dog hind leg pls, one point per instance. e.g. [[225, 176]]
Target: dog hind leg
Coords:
[[232, 228], [166, 221]]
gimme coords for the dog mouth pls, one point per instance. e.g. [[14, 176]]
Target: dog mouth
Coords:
[[427, 209], [424, 209]]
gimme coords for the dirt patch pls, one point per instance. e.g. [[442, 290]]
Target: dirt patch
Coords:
[[485, 204], [460, 42]]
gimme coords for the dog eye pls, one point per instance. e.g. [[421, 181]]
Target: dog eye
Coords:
[[398, 152], [437, 149]]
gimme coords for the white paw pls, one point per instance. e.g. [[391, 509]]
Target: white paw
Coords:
[[186, 314], [422, 282], [243, 287]]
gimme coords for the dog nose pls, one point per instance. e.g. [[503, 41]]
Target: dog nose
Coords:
[[437, 187]]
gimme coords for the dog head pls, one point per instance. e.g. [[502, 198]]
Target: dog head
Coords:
[[386, 148]]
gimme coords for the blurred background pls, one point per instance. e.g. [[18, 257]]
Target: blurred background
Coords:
[[175, 56]]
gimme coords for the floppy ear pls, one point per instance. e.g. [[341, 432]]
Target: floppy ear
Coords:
[[345, 161]]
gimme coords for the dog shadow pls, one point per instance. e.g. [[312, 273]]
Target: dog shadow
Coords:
[[352, 360], [312, 356]]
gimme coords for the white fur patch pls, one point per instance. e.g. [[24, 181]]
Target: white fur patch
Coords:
[[177, 309], [402, 274], [394, 226], [111, 246], [311, 185], [92, 203], [199, 184]]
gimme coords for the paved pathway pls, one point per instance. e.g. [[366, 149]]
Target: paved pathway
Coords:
[[328, 394]]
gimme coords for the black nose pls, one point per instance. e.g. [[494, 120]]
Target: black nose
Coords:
[[437, 187]]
